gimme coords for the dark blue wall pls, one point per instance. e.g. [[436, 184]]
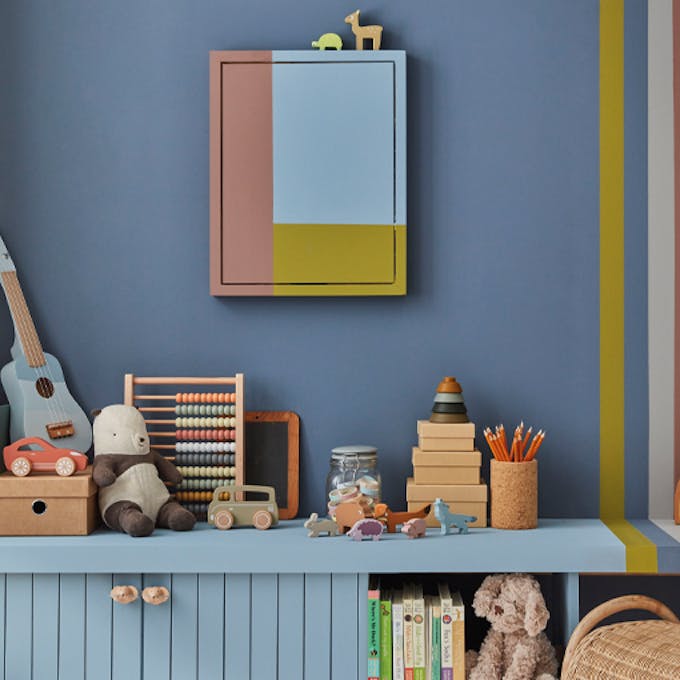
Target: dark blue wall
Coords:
[[104, 206]]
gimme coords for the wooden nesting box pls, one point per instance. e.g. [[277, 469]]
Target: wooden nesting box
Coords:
[[466, 499], [48, 505], [446, 468]]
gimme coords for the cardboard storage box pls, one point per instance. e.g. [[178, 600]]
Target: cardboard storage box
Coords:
[[453, 430], [446, 444], [466, 499], [48, 505], [446, 468]]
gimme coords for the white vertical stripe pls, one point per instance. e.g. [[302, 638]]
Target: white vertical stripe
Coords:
[[661, 257]]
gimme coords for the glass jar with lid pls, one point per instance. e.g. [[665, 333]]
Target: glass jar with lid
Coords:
[[353, 474]]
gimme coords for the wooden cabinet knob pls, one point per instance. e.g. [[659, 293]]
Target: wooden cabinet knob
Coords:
[[124, 594], [155, 594]]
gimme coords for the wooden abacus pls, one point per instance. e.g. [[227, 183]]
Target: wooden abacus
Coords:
[[207, 427]]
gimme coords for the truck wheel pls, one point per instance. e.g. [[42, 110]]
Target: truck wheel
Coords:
[[262, 520], [224, 520]]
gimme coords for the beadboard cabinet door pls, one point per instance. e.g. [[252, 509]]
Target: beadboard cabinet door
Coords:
[[213, 627]]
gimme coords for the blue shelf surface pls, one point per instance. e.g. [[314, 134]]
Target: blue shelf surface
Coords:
[[558, 545]]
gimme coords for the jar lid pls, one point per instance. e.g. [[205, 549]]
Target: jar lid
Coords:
[[357, 450]]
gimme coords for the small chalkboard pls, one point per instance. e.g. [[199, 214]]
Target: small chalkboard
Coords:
[[273, 456]]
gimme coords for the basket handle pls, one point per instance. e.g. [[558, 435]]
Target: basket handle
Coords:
[[609, 608]]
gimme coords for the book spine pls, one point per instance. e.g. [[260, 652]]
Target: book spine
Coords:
[[408, 638], [447, 640], [373, 635], [418, 638], [458, 643], [436, 646], [398, 642], [385, 639]]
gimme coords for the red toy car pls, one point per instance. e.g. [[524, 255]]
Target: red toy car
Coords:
[[22, 460]]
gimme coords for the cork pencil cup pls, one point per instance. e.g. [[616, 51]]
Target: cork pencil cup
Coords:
[[514, 495]]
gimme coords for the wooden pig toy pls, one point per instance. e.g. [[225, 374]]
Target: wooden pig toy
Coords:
[[414, 528]]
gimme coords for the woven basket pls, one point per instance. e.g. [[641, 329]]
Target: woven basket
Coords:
[[636, 650]]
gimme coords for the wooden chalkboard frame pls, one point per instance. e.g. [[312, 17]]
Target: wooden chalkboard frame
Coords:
[[293, 463]]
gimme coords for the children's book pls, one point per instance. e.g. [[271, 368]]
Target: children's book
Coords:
[[435, 638], [386, 636], [374, 629], [458, 616], [397, 635], [418, 633], [446, 604], [408, 631], [428, 637]]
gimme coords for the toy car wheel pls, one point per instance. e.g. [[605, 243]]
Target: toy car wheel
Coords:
[[65, 466], [224, 520], [21, 466], [262, 520]]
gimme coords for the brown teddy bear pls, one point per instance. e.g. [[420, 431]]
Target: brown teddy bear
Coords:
[[515, 648]]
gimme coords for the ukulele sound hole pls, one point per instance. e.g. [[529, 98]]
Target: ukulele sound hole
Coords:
[[44, 387]]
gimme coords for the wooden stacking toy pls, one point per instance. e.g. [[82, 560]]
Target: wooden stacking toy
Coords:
[[449, 405], [446, 464]]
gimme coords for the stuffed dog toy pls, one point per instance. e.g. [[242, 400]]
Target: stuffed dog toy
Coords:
[[515, 648]]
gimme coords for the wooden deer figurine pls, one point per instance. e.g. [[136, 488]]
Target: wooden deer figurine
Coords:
[[372, 33]]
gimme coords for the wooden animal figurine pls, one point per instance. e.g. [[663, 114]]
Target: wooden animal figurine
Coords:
[[394, 519], [316, 526], [447, 519], [347, 515], [367, 528], [372, 33], [328, 41], [676, 504], [414, 528]]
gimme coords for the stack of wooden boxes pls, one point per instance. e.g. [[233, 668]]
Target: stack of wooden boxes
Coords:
[[446, 465]]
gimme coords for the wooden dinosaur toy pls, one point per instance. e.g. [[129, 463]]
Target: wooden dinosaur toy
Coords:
[[372, 33]]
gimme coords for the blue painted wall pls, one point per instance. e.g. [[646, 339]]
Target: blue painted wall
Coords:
[[104, 206]]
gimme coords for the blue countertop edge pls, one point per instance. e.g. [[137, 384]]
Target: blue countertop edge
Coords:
[[557, 545]]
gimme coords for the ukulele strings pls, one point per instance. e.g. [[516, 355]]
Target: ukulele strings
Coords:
[[32, 350]]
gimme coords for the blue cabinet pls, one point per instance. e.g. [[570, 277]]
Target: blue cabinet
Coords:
[[214, 626], [245, 604]]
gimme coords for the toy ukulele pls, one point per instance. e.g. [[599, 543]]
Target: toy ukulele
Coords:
[[41, 405]]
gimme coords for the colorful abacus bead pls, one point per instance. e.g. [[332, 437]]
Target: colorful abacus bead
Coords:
[[205, 459], [205, 397], [205, 447], [206, 471], [205, 410]]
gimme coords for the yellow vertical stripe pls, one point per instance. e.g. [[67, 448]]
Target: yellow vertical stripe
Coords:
[[641, 553], [611, 261]]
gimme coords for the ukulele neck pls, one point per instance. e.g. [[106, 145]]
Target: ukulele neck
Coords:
[[24, 328]]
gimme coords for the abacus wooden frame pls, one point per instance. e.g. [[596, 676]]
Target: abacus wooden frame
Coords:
[[131, 396]]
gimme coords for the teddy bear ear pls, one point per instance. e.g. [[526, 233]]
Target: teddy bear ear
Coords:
[[487, 593], [536, 614], [95, 412]]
